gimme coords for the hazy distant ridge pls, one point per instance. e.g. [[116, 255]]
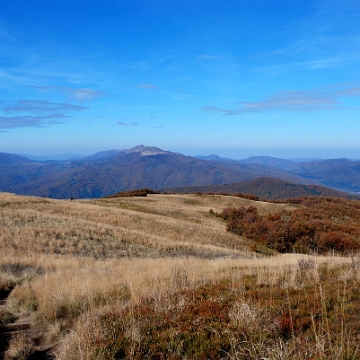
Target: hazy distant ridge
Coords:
[[267, 188], [109, 172]]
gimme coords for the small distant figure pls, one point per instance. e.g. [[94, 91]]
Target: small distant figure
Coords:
[[71, 199]]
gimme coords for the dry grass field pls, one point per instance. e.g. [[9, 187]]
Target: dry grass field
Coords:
[[158, 277]]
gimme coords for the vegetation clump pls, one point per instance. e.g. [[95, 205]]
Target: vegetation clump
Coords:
[[304, 313], [321, 225], [133, 193]]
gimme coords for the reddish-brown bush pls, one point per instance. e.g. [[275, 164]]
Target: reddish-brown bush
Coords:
[[322, 225]]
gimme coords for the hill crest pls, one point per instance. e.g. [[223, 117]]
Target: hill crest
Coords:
[[147, 150]]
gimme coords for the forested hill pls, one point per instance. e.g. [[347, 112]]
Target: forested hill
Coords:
[[113, 171], [110, 172], [267, 188], [342, 174]]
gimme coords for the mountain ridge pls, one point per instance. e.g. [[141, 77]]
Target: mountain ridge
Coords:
[[112, 171], [267, 188]]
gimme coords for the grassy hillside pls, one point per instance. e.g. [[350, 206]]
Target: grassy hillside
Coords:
[[160, 277], [154, 226]]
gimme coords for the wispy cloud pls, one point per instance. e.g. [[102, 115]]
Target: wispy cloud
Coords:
[[7, 122], [146, 86], [132, 123], [7, 76], [307, 65], [354, 91], [316, 50], [39, 107], [35, 113], [308, 100], [6, 35], [78, 94]]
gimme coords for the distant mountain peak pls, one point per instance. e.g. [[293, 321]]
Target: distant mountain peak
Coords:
[[269, 160], [146, 150]]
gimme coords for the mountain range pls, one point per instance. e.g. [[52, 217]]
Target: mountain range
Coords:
[[342, 174], [112, 171]]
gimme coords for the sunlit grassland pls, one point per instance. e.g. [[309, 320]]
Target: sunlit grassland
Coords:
[[159, 277], [155, 227]]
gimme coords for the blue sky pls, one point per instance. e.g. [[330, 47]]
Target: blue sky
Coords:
[[235, 78]]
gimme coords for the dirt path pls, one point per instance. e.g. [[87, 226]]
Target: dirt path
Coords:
[[21, 331]]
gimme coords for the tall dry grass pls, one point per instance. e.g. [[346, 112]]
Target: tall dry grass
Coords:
[[93, 272], [266, 328]]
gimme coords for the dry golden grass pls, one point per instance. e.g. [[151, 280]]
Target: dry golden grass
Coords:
[[20, 348], [155, 226], [74, 261], [160, 282]]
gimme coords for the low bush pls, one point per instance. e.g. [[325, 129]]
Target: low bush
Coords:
[[306, 314], [321, 225], [133, 193]]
